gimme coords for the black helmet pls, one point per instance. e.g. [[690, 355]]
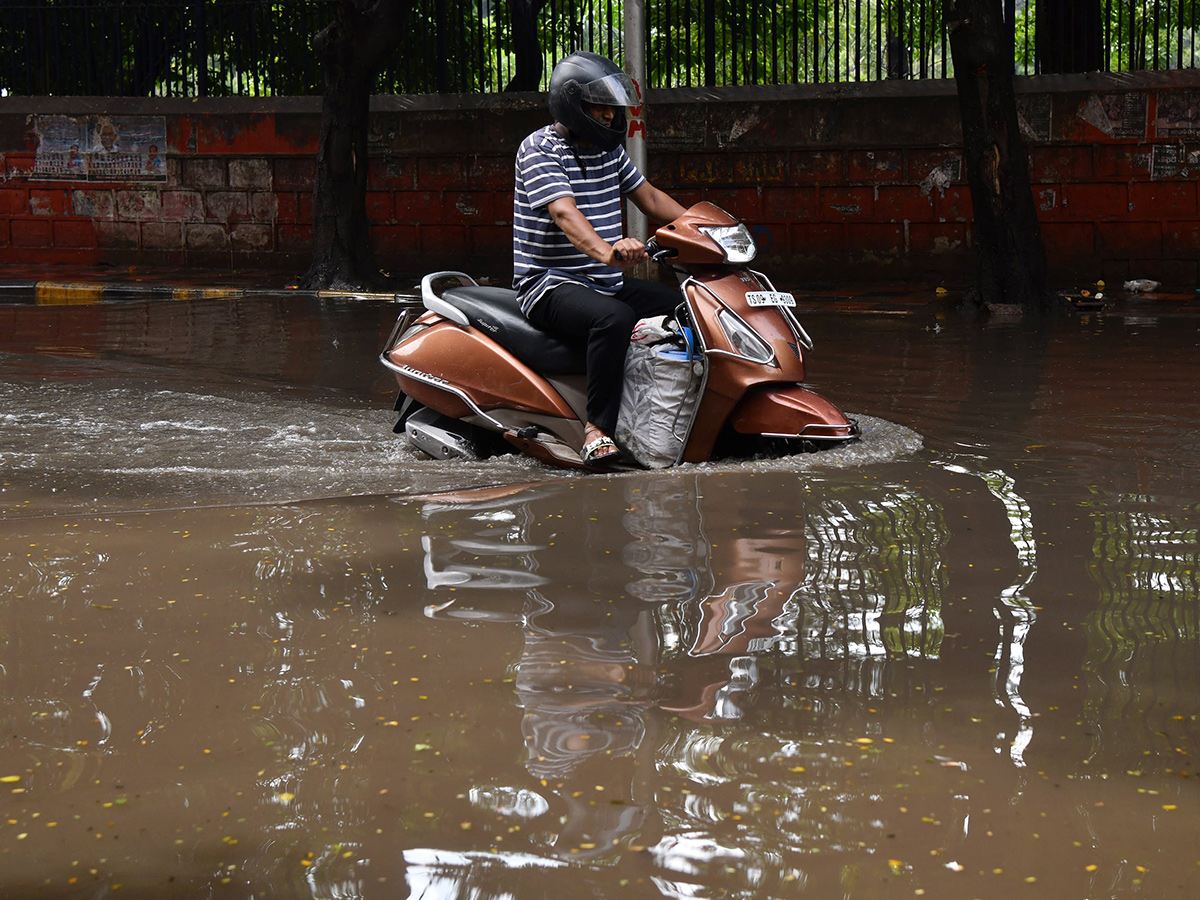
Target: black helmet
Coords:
[[586, 77]]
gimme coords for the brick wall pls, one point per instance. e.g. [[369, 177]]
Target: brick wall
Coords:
[[863, 179]]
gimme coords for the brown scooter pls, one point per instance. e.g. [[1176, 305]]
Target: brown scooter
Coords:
[[477, 378]]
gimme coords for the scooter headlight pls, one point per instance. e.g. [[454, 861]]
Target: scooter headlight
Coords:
[[734, 240], [744, 340]]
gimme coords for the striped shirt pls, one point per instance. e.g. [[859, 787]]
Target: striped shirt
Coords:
[[547, 169]]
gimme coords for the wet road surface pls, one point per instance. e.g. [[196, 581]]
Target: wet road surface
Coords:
[[253, 645]]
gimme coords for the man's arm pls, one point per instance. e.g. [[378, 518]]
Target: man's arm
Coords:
[[579, 231], [655, 204]]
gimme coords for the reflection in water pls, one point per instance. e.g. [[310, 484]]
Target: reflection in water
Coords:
[[586, 673], [1143, 663], [584, 688], [724, 616], [877, 593], [1014, 610], [434, 874]]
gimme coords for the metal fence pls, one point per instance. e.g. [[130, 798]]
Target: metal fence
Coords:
[[258, 48]]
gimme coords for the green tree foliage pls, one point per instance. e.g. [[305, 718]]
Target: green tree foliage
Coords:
[[264, 47], [1151, 35], [731, 42]]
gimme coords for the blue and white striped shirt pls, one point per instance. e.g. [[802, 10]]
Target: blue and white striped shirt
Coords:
[[547, 169]]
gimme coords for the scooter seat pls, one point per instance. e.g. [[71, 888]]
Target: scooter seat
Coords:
[[496, 313]]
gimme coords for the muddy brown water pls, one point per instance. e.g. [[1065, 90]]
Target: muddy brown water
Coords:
[[252, 645]]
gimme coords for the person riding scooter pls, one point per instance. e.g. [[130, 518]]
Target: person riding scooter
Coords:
[[569, 252]]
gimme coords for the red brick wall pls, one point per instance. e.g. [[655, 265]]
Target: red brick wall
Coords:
[[839, 181]]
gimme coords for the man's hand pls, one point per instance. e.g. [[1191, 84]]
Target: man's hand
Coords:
[[626, 253]]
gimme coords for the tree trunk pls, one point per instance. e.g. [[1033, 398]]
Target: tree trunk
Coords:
[[352, 49], [1010, 257], [527, 48], [1069, 36]]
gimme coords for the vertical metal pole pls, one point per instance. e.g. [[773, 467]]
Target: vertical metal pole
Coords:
[[710, 43], [635, 68], [443, 25], [201, 26]]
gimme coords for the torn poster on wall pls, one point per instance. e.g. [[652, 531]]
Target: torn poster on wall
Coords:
[[1120, 116], [100, 148], [1178, 114]]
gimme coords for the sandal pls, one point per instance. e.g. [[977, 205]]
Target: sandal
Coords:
[[600, 452]]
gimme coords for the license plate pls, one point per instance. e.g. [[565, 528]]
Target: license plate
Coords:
[[770, 298]]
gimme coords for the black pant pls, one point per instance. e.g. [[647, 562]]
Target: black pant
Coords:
[[606, 321]]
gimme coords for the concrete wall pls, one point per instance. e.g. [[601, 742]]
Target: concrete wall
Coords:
[[840, 181]]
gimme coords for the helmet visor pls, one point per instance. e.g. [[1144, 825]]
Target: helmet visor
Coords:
[[611, 90]]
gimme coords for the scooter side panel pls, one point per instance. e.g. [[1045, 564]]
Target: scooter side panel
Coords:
[[714, 409], [491, 376], [787, 411]]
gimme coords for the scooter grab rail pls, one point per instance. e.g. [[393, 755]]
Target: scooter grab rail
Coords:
[[797, 329], [402, 322], [433, 301], [714, 351], [442, 384]]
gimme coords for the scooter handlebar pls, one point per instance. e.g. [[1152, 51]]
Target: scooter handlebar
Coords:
[[657, 253], [653, 250]]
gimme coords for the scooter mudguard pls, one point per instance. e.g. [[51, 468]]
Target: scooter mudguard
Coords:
[[791, 412], [431, 362]]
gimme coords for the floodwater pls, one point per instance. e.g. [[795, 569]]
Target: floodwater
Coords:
[[253, 646]]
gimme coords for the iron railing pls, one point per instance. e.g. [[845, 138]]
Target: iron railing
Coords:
[[259, 47]]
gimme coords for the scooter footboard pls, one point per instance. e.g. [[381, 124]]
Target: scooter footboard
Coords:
[[791, 411]]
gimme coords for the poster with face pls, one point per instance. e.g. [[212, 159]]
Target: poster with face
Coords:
[[62, 143], [100, 148]]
